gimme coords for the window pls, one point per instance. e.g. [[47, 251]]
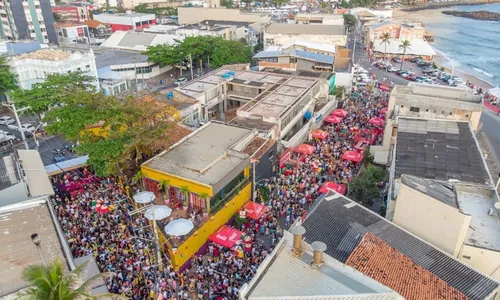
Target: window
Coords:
[[402, 106], [414, 109], [427, 110], [466, 116], [451, 113]]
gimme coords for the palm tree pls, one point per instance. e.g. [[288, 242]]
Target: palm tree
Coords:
[[204, 196], [50, 282], [405, 45], [386, 37], [185, 191]]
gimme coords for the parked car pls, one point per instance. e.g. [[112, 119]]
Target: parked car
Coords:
[[392, 69], [6, 120], [26, 127], [180, 81], [457, 79], [397, 60], [58, 157]]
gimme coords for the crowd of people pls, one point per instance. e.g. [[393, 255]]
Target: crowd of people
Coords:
[[291, 195], [94, 214]]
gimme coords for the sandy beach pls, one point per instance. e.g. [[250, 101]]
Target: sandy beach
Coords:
[[431, 16]]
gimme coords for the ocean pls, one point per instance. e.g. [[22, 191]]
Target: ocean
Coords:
[[472, 45]]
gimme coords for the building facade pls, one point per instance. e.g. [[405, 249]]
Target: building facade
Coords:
[[326, 19], [72, 34], [33, 67], [277, 34], [99, 30], [27, 20], [126, 21]]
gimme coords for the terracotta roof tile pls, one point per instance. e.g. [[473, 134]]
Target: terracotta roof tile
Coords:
[[93, 24], [378, 260]]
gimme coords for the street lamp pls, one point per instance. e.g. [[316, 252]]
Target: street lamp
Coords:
[[37, 240]]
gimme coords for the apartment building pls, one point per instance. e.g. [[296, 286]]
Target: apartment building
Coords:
[[27, 20], [72, 13]]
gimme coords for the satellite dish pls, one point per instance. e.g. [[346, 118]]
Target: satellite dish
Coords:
[[497, 205]]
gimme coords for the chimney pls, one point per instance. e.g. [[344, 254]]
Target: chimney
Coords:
[[298, 232], [318, 249]]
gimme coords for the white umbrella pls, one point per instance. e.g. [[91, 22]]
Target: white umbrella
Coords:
[[144, 197], [179, 227], [161, 212]]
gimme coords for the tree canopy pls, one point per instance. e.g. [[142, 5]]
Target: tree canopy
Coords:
[[363, 188], [202, 48], [349, 20], [129, 129], [7, 79]]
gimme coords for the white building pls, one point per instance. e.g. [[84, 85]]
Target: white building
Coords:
[[278, 34], [138, 41], [127, 21], [33, 67], [72, 34]]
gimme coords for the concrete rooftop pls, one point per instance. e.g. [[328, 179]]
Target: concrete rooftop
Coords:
[[17, 224], [205, 156]]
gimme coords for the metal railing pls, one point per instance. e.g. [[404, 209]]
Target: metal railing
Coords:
[[219, 204]]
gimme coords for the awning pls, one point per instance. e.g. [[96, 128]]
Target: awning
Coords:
[[339, 113], [339, 188], [319, 134], [305, 149], [255, 210], [36, 175], [352, 156], [226, 236], [333, 119], [67, 165]]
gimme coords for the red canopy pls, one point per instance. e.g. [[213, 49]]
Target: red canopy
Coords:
[[383, 110], [305, 149], [339, 113], [333, 119], [319, 134], [226, 236], [339, 188], [376, 121], [352, 156], [255, 210]]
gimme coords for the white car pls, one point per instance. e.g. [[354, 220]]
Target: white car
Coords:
[[5, 120], [26, 127], [180, 81]]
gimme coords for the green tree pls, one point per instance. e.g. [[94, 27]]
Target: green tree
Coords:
[[405, 45], [227, 3], [279, 2], [345, 4], [259, 47], [167, 55], [55, 90], [349, 21], [386, 40], [229, 52], [374, 174], [363, 190], [7, 79], [50, 282], [138, 178]]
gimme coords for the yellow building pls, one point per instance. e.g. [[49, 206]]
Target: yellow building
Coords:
[[208, 174]]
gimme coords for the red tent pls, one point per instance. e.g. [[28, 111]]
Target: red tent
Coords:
[[339, 188], [383, 110], [376, 121], [352, 156], [226, 236], [339, 113], [305, 149], [333, 119], [319, 134], [255, 210]]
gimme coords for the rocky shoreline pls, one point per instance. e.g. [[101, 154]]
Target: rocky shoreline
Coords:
[[448, 4], [476, 15]]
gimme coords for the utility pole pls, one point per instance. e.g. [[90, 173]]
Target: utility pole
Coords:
[[135, 73], [191, 66], [12, 107], [354, 49], [253, 182]]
